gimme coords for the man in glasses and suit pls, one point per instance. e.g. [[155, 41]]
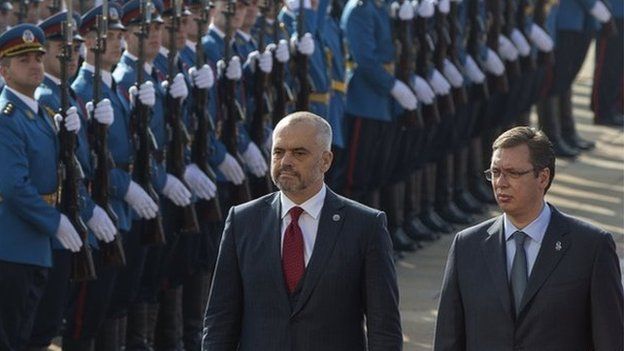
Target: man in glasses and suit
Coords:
[[533, 278]]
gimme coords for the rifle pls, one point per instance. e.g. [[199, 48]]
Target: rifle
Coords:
[[459, 94], [528, 62], [210, 209], [500, 82], [179, 135], [112, 253], [152, 232], [447, 104], [22, 12], [430, 112], [406, 67], [277, 75], [230, 107], [82, 268], [475, 39], [55, 6], [301, 60], [542, 9], [512, 67], [260, 185]]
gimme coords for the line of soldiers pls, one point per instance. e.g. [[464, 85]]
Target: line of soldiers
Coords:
[[126, 133]]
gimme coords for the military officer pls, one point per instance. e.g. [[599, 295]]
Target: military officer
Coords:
[[54, 301], [29, 184]]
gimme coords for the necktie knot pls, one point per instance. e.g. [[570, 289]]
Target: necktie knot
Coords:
[[295, 213], [519, 237]]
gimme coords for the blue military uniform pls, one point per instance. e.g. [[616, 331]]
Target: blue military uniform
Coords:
[[29, 184]]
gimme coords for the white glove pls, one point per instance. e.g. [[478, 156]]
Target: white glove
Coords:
[[233, 70], [423, 90], [264, 60], [493, 63], [473, 71], [146, 93], [506, 49], [439, 84], [444, 6], [254, 160], [202, 78], [67, 235], [405, 10], [72, 120], [101, 225], [140, 201], [452, 74], [426, 8], [175, 191], [402, 93], [178, 89], [305, 46], [293, 5], [601, 12], [231, 170], [540, 38], [103, 112], [199, 182], [520, 42], [282, 53]]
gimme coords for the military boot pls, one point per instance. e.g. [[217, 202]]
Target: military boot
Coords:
[[477, 183], [389, 203], [108, 336], [444, 204], [168, 336], [428, 214], [196, 288], [462, 197], [547, 112], [136, 328], [568, 126], [413, 226]]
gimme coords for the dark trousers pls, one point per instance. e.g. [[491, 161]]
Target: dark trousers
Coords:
[[364, 155], [47, 323], [22, 289], [128, 278], [609, 74], [90, 301], [570, 53]]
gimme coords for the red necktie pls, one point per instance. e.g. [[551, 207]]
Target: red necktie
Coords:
[[293, 263]]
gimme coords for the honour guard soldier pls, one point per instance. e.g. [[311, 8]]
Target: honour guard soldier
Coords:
[[51, 310], [94, 323], [29, 185]]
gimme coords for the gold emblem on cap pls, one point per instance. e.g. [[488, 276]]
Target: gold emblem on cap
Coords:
[[28, 36]]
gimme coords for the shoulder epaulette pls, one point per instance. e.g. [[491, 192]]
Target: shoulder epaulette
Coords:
[[8, 109]]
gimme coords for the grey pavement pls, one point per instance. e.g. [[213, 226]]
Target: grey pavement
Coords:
[[590, 187]]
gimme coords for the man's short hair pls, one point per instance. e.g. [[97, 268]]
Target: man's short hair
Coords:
[[541, 151], [324, 131]]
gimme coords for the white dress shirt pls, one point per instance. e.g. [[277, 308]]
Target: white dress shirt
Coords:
[[107, 77], [30, 102], [535, 234], [308, 221]]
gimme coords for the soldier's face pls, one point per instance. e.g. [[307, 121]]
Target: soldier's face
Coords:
[[23, 73], [154, 40], [518, 193], [113, 47], [51, 62], [251, 14], [298, 160], [180, 34]]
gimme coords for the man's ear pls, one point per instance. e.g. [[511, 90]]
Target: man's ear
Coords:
[[544, 176], [327, 158]]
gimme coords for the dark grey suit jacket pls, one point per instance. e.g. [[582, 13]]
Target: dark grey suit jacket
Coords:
[[573, 299], [349, 282]]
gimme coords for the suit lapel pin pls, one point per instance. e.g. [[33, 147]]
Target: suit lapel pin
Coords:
[[558, 246], [336, 217]]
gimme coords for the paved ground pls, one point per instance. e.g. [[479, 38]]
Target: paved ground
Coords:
[[590, 187]]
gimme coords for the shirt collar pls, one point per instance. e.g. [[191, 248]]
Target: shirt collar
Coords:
[[30, 102], [245, 36], [52, 78], [146, 66], [535, 230], [312, 206], [218, 31], [107, 77], [191, 44]]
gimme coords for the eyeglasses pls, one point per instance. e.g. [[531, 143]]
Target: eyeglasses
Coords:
[[495, 173]]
